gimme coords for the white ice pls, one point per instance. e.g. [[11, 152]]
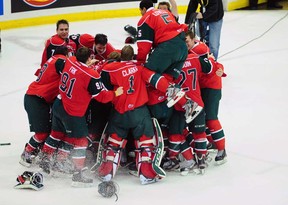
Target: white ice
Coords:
[[253, 113]]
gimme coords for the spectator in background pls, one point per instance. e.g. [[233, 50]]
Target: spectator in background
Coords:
[[211, 13], [271, 4], [172, 7]]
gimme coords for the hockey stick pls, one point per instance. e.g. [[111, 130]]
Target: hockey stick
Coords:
[[202, 31], [195, 25], [192, 22], [100, 150], [5, 143]]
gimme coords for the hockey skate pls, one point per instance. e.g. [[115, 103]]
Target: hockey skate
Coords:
[[201, 163], [221, 157], [174, 93], [186, 165], [64, 166], [45, 164], [170, 164], [192, 110], [211, 147], [26, 159], [80, 180], [144, 180]]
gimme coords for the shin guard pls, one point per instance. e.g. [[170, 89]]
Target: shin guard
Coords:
[[217, 133]]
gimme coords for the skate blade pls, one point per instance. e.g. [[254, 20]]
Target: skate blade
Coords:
[[208, 159], [150, 181], [221, 161], [197, 171], [134, 173], [25, 164], [184, 173], [212, 150], [57, 174], [178, 97], [173, 169]]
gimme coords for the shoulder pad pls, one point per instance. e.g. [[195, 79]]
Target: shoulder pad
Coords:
[[57, 41], [200, 48], [86, 40]]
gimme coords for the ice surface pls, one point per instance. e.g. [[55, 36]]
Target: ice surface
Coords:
[[253, 113]]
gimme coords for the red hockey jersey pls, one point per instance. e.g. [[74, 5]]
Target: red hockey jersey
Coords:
[[52, 43], [156, 26], [78, 85], [46, 84], [127, 75], [87, 40], [191, 72], [208, 81]]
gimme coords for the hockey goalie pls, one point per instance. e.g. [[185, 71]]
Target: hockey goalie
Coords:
[[149, 152], [130, 115]]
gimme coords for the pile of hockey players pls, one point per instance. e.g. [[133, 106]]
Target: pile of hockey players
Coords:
[[138, 119]]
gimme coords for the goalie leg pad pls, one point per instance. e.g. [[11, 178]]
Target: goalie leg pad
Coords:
[[150, 156], [111, 157], [144, 156]]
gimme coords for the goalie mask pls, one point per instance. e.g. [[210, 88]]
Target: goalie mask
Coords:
[[108, 188]]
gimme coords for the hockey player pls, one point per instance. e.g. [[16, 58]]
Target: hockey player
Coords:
[[99, 45], [59, 39], [164, 5], [189, 81], [211, 86], [129, 114], [38, 101], [159, 30], [100, 50], [77, 86]]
